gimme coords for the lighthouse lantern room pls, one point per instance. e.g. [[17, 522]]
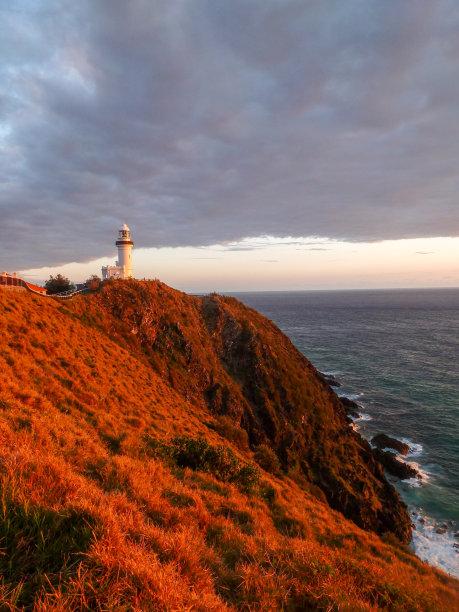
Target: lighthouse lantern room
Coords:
[[123, 267]]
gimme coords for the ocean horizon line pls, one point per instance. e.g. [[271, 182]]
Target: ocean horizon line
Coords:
[[359, 290]]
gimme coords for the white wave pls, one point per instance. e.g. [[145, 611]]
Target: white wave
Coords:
[[350, 396], [364, 417], [358, 420], [421, 479], [415, 450], [415, 447], [436, 548]]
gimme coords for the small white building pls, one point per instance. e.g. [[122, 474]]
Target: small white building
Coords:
[[13, 281], [123, 267]]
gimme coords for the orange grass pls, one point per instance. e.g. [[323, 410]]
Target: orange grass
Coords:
[[77, 398]]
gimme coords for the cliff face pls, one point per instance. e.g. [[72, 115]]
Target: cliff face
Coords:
[[233, 361], [293, 410]]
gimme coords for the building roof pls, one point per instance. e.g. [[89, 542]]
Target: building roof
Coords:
[[35, 287]]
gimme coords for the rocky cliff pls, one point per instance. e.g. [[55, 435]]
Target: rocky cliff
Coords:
[[233, 361]]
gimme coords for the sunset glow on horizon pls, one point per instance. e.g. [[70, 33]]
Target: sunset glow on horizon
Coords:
[[263, 264]]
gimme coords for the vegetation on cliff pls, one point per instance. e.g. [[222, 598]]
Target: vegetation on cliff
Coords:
[[160, 451], [58, 284]]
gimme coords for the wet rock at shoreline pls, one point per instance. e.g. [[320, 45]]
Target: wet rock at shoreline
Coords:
[[381, 441], [352, 408], [329, 379], [393, 465]]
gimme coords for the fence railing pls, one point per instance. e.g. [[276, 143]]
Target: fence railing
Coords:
[[69, 296], [15, 282]]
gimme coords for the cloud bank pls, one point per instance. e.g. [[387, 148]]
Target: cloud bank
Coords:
[[209, 121]]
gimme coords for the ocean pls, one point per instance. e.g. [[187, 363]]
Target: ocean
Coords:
[[396, 353]]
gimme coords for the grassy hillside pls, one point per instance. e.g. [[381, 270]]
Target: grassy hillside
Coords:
[[163, 452]]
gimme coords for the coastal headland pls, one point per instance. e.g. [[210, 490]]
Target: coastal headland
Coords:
[[166, 451]]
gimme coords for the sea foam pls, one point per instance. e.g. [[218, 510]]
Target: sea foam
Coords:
[[415, 448], [356, 421], [439, 549]]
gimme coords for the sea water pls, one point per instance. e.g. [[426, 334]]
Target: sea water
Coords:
[[396, 353]]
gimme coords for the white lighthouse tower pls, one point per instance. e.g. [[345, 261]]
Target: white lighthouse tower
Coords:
[[123, 267]]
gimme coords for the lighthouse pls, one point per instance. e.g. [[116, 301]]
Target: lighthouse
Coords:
[[123, 267]]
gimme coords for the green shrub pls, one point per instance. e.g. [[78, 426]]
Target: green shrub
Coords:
[[267, 459], [247, 477], [198, 454], [154, 447]]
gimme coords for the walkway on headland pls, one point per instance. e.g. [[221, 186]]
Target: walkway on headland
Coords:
[[68, 296]]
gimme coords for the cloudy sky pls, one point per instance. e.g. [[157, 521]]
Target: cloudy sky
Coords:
[[247, 143]]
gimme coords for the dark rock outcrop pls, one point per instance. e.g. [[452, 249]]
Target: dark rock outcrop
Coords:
[[394, 466], [383, 441], [329, 379], [352, 408]]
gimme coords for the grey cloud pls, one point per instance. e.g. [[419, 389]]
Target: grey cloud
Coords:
[[241, 248], [255, 245], [315, 249], [207, 122]]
